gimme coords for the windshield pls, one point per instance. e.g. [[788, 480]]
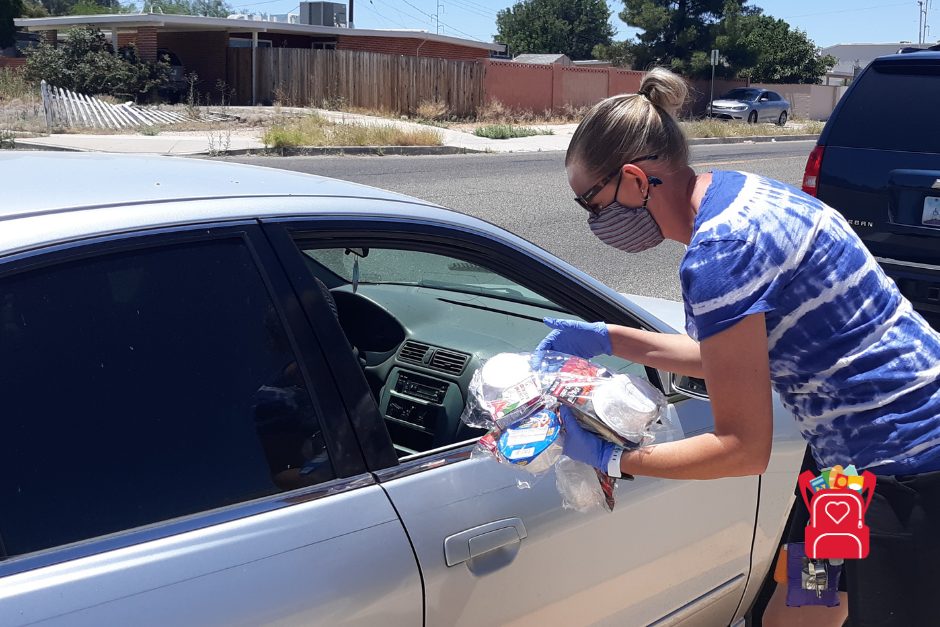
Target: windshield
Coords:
[[405, 267], [741, 94]]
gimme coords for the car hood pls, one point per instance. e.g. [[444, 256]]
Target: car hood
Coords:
[[670, 312], [729, 103]]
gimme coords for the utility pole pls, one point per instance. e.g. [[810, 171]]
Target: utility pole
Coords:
[[714, 60], [920, 21], [350, 22], [439, 6]]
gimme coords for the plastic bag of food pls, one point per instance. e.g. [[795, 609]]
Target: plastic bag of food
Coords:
[[534, 443], [583, 488], [504, 391]]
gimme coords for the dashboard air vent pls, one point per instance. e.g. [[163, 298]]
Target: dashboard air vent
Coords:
[[450, 362], [413, 351]]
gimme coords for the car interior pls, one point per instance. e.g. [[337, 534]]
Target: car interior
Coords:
[[421, 324]]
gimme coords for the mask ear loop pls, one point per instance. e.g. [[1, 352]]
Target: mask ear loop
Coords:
[[653, 181]]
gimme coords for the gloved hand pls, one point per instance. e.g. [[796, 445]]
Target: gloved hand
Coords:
[[582, 445], [582, 339]]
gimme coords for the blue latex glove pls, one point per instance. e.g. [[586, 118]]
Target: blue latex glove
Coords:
[[582, 339], [582, 445]]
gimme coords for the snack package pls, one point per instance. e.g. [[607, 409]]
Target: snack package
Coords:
[[534, 443], [518, 398]]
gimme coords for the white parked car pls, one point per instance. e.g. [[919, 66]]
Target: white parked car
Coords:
[[232, 397]]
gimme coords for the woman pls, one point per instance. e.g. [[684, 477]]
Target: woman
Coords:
[[779, 294]]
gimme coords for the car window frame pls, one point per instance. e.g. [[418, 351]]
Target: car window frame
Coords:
[[345, 456], [433, 237]]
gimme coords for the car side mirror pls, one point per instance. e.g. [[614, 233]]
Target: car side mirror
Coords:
[[763, 99], [690, 386]]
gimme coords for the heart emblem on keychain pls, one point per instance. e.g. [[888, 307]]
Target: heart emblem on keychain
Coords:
[[843, 507]]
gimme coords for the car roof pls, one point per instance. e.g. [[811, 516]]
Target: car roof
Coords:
[[44, 182], [918, 56]]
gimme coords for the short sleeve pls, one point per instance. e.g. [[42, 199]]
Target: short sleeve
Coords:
[[722, 282]]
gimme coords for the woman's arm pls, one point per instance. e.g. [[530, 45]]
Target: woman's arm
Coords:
[[665, 351], [737, 372]]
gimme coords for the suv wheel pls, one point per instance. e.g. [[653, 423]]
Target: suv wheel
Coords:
[[783, 118], [752, 119]]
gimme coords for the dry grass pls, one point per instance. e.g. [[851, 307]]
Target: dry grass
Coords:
[[314, 130], [720, 128], [20, 105]]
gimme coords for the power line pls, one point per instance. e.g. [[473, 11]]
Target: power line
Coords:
[[853, 10], [371, 7]]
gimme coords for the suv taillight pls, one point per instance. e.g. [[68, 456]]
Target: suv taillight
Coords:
[[811, 175]]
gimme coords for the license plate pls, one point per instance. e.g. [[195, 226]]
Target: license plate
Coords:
[[931, 215]]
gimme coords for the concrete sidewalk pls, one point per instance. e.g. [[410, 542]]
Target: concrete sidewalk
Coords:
[[245, 140], [166, 143]]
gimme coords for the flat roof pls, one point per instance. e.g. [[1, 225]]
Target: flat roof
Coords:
[[182, 23]]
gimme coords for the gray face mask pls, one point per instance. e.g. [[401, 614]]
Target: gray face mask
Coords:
[[630, 229]]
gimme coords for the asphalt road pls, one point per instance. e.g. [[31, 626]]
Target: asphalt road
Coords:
[[528, 194]]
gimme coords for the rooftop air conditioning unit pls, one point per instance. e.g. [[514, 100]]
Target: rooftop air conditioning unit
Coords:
[[323, 14]]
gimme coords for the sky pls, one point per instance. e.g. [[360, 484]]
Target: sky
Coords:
[[827, 22]]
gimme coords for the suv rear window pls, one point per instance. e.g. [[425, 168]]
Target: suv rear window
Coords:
[[893, 107]]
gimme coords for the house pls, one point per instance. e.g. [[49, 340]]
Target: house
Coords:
[[201, 43], [543, 59], [853, 58]]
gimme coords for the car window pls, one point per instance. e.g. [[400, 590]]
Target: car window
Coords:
[[773, 97], [438, 318], [741, 94], [408, 267], [891, 107], [144, 386]]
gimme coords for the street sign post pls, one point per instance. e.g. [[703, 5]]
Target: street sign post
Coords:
[[714, 60]]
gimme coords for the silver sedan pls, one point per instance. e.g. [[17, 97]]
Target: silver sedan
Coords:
[[751, 104], [232, 396]]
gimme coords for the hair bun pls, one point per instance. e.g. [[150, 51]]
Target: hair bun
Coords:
[[664, 89]]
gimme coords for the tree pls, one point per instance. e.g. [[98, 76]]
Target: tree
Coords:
[[209, 8], [9, 9], [674, 30], [619, 53], [85, 63], [769, 51], [93, 7], [571, 27]]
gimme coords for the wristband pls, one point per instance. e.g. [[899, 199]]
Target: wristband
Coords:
[[613, 465]]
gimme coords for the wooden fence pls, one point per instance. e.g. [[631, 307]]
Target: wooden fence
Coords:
[[300, 77], [67, 109]]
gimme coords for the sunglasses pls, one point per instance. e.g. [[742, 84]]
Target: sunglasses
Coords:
[[585, 199]]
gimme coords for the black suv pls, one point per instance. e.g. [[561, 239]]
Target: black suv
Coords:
[[878, 162]]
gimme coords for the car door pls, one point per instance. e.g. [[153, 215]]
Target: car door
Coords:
[[176, 452], [493, 553]]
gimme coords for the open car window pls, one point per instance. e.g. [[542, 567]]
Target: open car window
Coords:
[[421, 323], [378, 266]]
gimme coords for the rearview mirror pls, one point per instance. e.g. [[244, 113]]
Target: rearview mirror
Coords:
[[690, 386]]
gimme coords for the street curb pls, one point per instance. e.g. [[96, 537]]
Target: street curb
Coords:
[[25, 144], [757, 139], [292, 152], [308, 151]]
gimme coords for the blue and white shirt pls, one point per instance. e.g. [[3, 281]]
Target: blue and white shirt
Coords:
[[849, 357]]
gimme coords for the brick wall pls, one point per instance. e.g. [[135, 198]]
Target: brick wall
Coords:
[[202, 53], [538, 88], [411, 47], [12, 62], [147, 42]]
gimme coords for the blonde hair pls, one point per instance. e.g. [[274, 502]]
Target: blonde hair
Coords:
[[621, 128]]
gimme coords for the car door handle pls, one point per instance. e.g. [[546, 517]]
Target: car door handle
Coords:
[[468, 544]]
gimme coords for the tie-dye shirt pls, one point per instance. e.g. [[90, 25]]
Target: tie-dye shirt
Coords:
[[856, 366]]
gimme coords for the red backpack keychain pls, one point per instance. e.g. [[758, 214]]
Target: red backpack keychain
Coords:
[[836, 528]]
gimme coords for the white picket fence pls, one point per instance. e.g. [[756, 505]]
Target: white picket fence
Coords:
[[67, 109]]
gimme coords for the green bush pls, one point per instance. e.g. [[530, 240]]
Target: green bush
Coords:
[[85, 63], [508, 131]]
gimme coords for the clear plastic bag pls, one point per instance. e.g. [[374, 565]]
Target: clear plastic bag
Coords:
[[583, 488], [518, 399]]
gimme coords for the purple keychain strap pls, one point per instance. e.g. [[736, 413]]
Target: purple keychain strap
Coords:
[[796, 595]]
